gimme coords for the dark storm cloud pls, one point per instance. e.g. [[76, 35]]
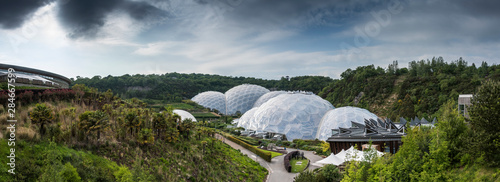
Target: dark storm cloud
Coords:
[[13, 13], [84, 18]]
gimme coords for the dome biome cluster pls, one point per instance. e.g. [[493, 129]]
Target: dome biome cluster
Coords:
[[298, 115], [211, 100], [342, 117], [242, 98], [264, 98], [238, 99], [184, 115], [301, 116]]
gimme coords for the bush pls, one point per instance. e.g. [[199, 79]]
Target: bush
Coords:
[[69, 173]]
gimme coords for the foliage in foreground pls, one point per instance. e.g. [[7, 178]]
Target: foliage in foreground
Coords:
[[93, 138], [327, 173], [452, 151]]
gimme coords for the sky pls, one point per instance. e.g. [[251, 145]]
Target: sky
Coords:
[[251, 38]]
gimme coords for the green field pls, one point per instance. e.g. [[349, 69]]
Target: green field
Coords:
[[298, 168]]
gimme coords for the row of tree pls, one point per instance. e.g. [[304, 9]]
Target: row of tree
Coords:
[[174, 87]]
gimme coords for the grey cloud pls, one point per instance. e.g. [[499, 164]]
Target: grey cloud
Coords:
[[13, 13], [84, 18]]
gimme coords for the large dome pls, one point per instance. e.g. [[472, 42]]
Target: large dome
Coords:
[[242, 98], [297, 115], [264, 98], [342, 117], [212, 100], [184, 115], [246, 119]]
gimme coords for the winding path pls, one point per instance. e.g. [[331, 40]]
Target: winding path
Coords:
[[276, 168]]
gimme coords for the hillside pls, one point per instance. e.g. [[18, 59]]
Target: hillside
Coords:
[[71, 135], [419, 90]]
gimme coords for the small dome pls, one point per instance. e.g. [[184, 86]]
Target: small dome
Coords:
[[184, 115], [264, 98], [297, 115], [211, 100], [242, 98], [342, 117]]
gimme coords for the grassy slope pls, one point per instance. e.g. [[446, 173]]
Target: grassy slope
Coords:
[[199, 158], [31, 161]]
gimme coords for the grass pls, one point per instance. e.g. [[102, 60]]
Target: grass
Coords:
[[203, 114], [182, 106], [273, 154], [298, 168]]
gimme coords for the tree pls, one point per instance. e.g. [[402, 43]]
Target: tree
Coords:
[[91, 121], [41, 115], [485, 120]]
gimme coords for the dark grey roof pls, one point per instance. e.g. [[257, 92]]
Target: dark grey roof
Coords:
[[35, 71], [375, 130]]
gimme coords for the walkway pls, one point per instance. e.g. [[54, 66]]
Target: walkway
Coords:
[[276, 168]]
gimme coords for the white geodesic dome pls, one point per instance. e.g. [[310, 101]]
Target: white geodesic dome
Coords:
[[264, 98], [212, 100], [342, 117], [184, 115], [297, 115], [246, 119], [242, 98]]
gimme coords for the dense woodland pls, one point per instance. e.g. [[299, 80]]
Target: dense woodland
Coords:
[[419, 90]]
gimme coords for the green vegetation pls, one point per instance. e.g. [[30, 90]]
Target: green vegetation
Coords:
[[418, 90], [266, 155], [97, 137], [48, 161], [273, 154], [327, 173], [299, 167], [485, 119], [174, 87], [249, 140], [452, 151]]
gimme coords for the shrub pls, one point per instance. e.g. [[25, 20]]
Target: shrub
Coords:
[[69, 173], [123, 174]]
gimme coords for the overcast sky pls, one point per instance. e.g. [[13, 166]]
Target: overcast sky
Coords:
[[255, 38]]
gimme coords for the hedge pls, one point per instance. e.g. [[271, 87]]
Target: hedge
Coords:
[[265, 155]]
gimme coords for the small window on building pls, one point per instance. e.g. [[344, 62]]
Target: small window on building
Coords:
[[461, 108]]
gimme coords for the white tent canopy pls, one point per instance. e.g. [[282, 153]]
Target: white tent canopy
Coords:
[[350, 154], [332, 159]]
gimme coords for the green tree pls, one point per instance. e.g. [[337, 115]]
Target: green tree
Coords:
[[69, 173], [41, 115], [485, 121]]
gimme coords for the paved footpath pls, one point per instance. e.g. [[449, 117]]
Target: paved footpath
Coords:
[[276, 168]]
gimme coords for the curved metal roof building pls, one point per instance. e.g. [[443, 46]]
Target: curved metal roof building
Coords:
[[35, 77]]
